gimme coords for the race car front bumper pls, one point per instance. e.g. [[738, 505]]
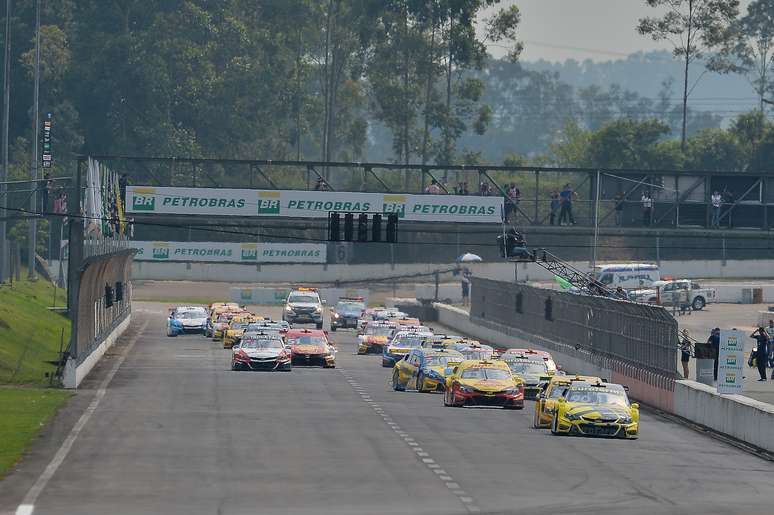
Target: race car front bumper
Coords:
[[504, 400], [601, 429], [263, 364], [344, 322], [370, 348], [314, 360]]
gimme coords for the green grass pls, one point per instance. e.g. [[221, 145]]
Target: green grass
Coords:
[[30, 333], [24, 412]]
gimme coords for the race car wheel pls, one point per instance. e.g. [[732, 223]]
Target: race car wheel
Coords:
[[698, 303], [536, 420], [420, 382], [396, 382], [555, 427]]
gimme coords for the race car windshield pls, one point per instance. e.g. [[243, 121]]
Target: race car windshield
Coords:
[[189, 315], [255, 343], [527, 367], [485, 373], [239, 325], [350, 306], [307, 340], [262, 327], [303, 298], [441, 361], [596, 397], [379, 331], [476, 354], [408, 341]]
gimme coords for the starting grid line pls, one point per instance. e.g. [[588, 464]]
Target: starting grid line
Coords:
[[422, 456]]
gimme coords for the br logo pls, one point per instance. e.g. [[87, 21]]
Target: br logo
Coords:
[[730, 378], [143, 203], [269, 202], [160, 252], [249, 254], [394, 204]]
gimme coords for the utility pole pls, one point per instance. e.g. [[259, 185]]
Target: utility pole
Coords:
[[596, 225], [32, 238], [6, 112]]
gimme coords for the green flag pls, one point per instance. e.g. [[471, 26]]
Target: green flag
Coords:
[[563, 283]]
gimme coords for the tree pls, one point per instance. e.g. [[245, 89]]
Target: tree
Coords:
[[693, 27], [627, 144], [751, 50]]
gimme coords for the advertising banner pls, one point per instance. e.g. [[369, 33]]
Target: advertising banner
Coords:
[[217, 252], [731, 361], [311, 204]]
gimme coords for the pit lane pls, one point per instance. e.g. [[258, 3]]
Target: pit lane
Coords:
[[179, 432]]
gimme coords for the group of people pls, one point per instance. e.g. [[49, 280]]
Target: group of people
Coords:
[[762, 355]]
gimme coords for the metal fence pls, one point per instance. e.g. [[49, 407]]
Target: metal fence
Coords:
[[639, 334]]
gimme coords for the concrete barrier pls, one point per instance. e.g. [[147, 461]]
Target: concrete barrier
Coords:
[[447, 292], [737, 416], [74, 373], [277, 296]]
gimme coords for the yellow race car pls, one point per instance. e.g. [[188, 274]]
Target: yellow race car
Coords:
[[375, 336], [596, 409], [234, 331], [424, 370], [545, 404], [483, 383]]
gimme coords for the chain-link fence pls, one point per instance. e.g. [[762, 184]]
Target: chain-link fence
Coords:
[[639, 334]]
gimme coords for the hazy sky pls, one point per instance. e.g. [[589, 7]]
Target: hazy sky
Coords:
[[600, 30]]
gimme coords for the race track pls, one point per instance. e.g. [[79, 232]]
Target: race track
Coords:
[[177, 432]]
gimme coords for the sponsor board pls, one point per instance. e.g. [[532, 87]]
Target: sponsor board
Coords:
[[731, 361], [311, 204], [215, 252]]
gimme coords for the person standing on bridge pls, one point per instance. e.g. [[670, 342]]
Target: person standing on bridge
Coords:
[[555, 205], [565, 198], [685, 352], [714, 341], [647, 209], [761, 351], [716, 202]]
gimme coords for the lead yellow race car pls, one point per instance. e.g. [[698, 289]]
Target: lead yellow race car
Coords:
[[596, 409]]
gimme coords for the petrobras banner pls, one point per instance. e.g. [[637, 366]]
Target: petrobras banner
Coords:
[[731, 361], [311, 204], [214, 252]]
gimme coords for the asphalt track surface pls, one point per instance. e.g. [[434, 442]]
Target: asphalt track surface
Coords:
[[177, 432]]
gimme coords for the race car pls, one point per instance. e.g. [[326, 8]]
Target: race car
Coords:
[[374, 338], [483, 383], [260, 351], [267, 325], [225, 320], [347, 312], [596, 409], [400, 345], [545, 404], [311, 347], [186, 319], [304, 305], [473, 350], [234, 331], [553, 368], [407, 321], [533, 371], [424, 370]]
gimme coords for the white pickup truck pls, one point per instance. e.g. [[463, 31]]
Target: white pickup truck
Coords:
[[676, 291]]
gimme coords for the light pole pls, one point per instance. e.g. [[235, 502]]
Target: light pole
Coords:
[[596, 225], [32, 237], [6, 112]]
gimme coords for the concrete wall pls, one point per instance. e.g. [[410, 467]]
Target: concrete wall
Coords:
[[277, 296], [738, 416], [74, 373]]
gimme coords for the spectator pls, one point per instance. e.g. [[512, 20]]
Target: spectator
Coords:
[[321, 185], [433, 188], [714, 342], [461, 188], [484, 189], [466, 286], [619, 205], [770, 331], [123, 181], [620, 293], [716, 201], [761, 351], [512, 203], [647, 209], [555, 203], [685, 352], [565, 200]]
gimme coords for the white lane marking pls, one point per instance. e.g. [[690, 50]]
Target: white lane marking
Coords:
[[466, 499], [452, 486], [61, 454], [25, 509], [445, 478]]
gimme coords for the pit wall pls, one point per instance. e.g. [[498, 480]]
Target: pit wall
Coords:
[[740, 417]]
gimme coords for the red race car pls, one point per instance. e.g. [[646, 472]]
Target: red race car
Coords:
[[311, 347]]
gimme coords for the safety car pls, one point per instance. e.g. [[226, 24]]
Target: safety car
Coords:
[[424, 370], [483, 383], [347, 312], [596, 409], [303, 305]]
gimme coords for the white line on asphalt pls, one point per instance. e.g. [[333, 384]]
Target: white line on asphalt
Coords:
[[61, 454]]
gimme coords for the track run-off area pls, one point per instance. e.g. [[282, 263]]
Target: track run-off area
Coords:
[[165, 427]]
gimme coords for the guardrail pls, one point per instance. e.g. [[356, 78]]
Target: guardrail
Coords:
[[642, 335]]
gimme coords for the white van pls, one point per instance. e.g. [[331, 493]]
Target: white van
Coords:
[[627, 275]]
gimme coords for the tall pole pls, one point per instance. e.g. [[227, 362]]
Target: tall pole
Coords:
[[6, 114], [32, 237], [596, 226]]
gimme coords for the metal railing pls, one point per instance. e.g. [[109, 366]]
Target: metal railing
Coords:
[[597, 327]]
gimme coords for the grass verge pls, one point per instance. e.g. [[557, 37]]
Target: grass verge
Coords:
[[30, 333], [24, 413]]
